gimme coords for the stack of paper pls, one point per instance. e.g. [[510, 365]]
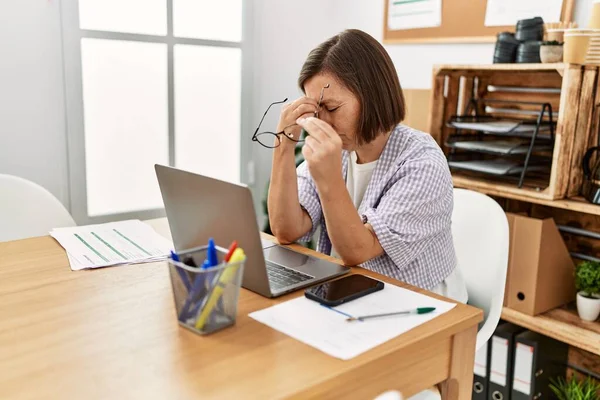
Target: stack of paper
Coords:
[[327, 329], [114, 243]]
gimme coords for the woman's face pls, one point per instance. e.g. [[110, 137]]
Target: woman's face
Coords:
[[340, 108]]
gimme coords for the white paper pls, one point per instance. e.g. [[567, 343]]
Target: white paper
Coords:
[[113, 243], [508, 12], [481, 362], [498, 365], [412, 14], [327, 330], [523, 368]]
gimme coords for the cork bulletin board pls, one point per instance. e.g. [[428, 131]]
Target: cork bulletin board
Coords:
[[462, 21]]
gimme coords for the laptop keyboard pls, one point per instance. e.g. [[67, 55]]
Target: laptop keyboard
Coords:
[[281, 277]]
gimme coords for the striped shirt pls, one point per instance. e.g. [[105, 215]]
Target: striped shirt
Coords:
[[408, 203]]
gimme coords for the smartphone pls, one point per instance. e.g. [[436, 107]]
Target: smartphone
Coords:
[[343, 290]]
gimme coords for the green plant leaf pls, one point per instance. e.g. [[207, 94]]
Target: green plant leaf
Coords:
[[587, 277], [575, 389]]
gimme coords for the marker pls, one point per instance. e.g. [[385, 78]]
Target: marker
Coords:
[[232, 248], [416, 311], [227, 275]]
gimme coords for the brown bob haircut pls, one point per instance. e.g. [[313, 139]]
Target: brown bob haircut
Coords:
[[361, 64]]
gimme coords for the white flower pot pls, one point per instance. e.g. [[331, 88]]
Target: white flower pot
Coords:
[[588, 309]]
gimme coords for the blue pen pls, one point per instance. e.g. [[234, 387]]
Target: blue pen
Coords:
[[184, 277], [212, 260], [196, 290]]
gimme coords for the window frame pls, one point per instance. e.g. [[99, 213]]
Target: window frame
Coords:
[[72, 35]]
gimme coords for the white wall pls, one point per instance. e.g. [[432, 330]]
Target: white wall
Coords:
[[284, 33], [32, 113]]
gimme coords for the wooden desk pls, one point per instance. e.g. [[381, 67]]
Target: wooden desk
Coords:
[[112, 334]]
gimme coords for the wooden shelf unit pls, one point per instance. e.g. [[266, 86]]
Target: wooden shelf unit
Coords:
[[577, 124], [561, 324], [578, 203], [572, 101]]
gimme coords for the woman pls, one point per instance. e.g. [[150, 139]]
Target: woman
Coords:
[[380, 192]]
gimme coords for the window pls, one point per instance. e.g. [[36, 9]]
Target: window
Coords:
[[149, 81]]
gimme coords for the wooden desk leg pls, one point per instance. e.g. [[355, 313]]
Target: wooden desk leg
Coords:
[[460, 383]]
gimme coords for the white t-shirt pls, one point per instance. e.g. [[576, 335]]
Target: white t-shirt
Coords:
[[357, 181]]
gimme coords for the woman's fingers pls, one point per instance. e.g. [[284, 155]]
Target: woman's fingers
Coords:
[[303, 109], [318, 129]]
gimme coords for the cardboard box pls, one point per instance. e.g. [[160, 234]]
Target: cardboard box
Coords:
[[540, 269], [417, 108]]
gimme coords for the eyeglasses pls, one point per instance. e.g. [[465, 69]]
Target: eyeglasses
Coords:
[[272, 140]]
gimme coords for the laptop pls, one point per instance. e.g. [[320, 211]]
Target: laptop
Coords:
[[199, 207]]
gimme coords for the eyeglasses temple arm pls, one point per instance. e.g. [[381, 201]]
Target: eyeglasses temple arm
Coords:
[[265, 114]]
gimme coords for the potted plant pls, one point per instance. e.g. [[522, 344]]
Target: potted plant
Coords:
[[575, 389], [587, 282], [551, 52]]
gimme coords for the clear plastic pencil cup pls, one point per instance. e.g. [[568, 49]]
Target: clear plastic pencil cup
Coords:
[[205, 299]]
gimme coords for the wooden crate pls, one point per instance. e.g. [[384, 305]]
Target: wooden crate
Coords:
[[576, 119]]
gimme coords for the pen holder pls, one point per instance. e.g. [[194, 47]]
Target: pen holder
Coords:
[[205, 299]]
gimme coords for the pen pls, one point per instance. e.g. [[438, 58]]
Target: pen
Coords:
[[184, 277], [204, 279], [227, 275], [189, 309], [416, 311]]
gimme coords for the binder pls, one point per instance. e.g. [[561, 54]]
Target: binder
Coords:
[[481, 373], [501, 361], [537, 359]]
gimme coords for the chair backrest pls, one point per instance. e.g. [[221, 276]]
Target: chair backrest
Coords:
[[481, 239], [27, 209]]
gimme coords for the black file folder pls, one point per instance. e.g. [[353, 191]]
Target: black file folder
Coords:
[[537, 359], [481, 373], [501, 361]]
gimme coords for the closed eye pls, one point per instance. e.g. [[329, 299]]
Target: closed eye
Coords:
[[332, 109]]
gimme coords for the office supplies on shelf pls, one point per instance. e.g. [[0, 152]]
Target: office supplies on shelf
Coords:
[[501, 361], [506, 48], [415, 311], [473, 92], [498, 147], [315, 325], [499, 166], [537, 359], [211, 305], [114, 243], [540, 269], [516, 129], [481, 372]]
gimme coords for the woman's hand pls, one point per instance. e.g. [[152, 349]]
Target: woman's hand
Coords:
[[300, 108], [322, 150]]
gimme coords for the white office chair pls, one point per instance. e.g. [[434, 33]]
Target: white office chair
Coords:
[[27, 209], [480, 232]]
